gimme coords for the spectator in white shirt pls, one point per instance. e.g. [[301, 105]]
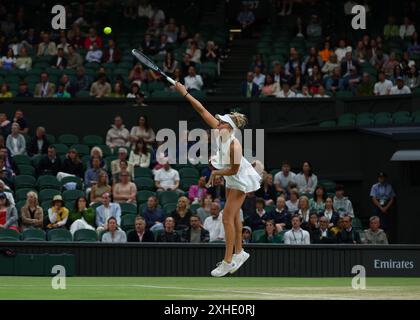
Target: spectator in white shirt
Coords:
[[342, 50], [304, 93], [94, 54], [285, 92], [341, 203], [400, 88], [297, 235], [214, 223], [259, 78], [193, 81], [383, 86], [321, 93], [306, 180], [293, 203], [407, 29], [167, 179], [284, 177]]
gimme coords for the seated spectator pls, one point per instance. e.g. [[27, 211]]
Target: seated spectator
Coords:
[[246, 19], [92, 174], [326, 53], [375, 235], [248, 88], [360, 53], [414, 45], [74, 59], [348, 64], [334, 82], [270, 88], [314, 80], [72, 164], [293, 203], [323, 235], [140, 233], [257, 218], [211, 52], [348, 234], [8, 214], [259, 77], [391, 30], [57, 214], [214, 223], [270, 233], [153, 215], [337, 229], [44, 89], [81, 217], [23, 91], [81, 82], [46, 47], [194, 52], [116, 164], [49, 164], [317, 203], [195, 233], [365, 88], [246, 235], [167, 179], [137, 75], [285, 91], [169, 234], [171, 31], [63, 44], [218, 190], [143, 131], [112, 54], [105, 211], [5, 91], [280, 215], [400, 87], [31, 213], [94, 54], [293, 62], [136, 93], [283, 178], [267, 191], [96, 152], [113, 233], [383, 86], [407, 29], [412, 77], [169, 64], [182, 213], [341, 203], [163, 46], [296, 235], [92, 39], [61, 92], [204, 211], [65, 82], [118, 135], [8, 62], [15, 142], [342, 50], [193, 81], [259, 61], [304, 209], [330, 213], [148, 45], [59, 61], [379, 60], [314, 28], [321, 93], [100, 88], [125, 191], [140, 156], [24, 62], [99, 187], [306, 180], [329, 67], [198, 192], [117, 92], [7, 190], [297, 80]]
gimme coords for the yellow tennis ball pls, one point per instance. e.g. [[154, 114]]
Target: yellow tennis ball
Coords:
[[107, 30]]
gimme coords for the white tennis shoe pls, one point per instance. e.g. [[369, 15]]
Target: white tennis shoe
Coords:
[[239, 259], [223, 268]]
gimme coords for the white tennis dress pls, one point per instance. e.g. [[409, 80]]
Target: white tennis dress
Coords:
[[246, 179]]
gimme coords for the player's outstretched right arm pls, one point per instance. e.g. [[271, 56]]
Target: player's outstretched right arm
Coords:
[[207, 116]]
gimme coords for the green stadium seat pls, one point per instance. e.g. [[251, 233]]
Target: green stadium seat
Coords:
[[186, 183], [329, 185], [22, 159], [273, 172], [77, 180], [328, 124], [81, 149], [257, 234], [106, 151], [346, 123], [198, 94], [160, 94], [344, 94], [127, 221], [269, 207], [92, 140], [189, 173], [382, 115], [169, 207], [83, 94], [33, 234], [365, 115], [156, 86], [68, 139], [24, 181], [165, 197], [144, 183], [143, 195], [143, 172], [61, 148], [47, 195], [128, 208], [364, 122], [416, 119], [9, 235], [27, 170], [384, 121], [400, 114], [403, 120], [71, 195], [21, 193], [48, 182], [85, 235], [347, 116], [59, 235], [357, 224], [194, 208]]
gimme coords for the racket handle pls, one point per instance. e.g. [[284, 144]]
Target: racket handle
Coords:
[[170, 80]]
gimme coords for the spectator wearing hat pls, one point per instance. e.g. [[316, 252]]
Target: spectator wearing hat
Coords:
[[57, 214], [375, 235], [400, 87], [8, 214], [140, 233], [50, 163], [246, 235], [105, 211], [383, 196], [195, 233], [341, 203], [113, 234], [32, 214]]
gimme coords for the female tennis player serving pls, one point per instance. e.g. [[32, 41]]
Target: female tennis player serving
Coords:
[[239, 175]]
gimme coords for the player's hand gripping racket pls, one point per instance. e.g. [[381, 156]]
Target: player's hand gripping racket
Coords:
[[150, 64]]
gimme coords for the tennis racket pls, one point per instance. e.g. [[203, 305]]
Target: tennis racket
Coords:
[[150, 64]]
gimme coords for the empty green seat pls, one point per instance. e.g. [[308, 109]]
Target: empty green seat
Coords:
[[169, 207], [189, 173], [403, 120], [357, 224], [328, 124], [33, 234], [128, 208], [25, 181], [143, 196], [92, 140], [22, 159], [400, 114], [127, 221], [48, 182], [382, 121], [167, 197], [382, 115], [257, 234], [329, 185], [61, 148], [144, 183], [9, 235], [27, 170], [106, 151], [60, 234], [143, 172], [186, 183], [364, 122], [68, 139], [21, 193], [81, 149], [47, 195], [85, 235], [71, 195], [346, 123]]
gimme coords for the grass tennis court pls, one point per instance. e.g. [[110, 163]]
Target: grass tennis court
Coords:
[[173, 288]]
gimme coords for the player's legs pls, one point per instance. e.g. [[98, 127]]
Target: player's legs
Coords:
[[238, 228]]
